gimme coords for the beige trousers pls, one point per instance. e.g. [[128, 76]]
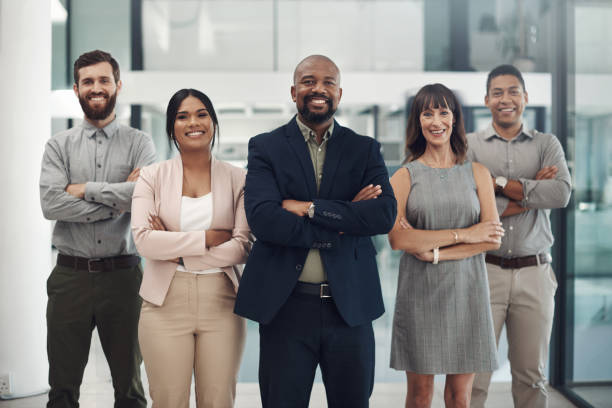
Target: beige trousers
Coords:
[[523, 299], [194, 332]]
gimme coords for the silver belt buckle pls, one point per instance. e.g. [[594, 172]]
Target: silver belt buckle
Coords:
[[321, 295]]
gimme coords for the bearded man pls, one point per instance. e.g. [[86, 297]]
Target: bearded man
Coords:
[[87, 178], [315, 192]]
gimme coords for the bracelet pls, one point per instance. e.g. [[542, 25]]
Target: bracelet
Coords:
[[456, 236], [436, 254]]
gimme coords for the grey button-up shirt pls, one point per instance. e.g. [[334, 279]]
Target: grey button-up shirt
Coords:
[[313, 270], [527, 233], [98, 225]]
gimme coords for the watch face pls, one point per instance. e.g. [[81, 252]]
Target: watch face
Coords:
[[311, 211], [501, 181]]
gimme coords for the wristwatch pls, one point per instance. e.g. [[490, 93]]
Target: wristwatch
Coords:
[[311, 210], [500, 183]]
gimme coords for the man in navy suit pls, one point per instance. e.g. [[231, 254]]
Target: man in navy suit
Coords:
[[315, 192]]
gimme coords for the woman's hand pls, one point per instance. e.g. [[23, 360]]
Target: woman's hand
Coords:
[[217, 237], [425, 256], [157, 225], [405, 224], [486, 231]]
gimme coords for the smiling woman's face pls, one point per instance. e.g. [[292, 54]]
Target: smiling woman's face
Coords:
[[193, 127], [437, 125]]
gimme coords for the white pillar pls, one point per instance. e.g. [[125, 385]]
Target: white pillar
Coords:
[[25, 236]]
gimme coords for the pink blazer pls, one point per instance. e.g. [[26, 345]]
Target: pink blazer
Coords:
[[159, 191]]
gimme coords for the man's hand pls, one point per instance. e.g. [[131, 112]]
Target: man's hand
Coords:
[[134, 174], [217, 237], [367, 193], [299, 208], [77, 190], [547, 173]]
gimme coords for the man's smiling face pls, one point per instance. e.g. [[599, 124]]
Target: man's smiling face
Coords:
[[316, 90], [97, 90], [506, 99]]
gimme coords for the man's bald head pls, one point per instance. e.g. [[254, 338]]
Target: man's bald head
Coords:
[[312, 60], [316, 90]]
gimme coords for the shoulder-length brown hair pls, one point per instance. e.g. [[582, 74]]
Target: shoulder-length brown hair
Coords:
[[434, 96]]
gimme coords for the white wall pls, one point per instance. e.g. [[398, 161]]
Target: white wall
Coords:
[[25, 81]]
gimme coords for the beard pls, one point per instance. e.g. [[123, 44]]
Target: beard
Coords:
[[314, 117], [99, 113]]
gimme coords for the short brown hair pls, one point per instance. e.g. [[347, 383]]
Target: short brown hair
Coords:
[[92, 58], [434, 96]]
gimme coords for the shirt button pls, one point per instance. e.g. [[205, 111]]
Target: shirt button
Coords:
[[509, 251], [99, 166], [99, 242], [92, 198], [298, 267], [87, 218], [100, 142], [319, 149], [511, 228], [114, 205]]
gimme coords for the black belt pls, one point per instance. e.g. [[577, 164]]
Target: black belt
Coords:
[[321, 290], [95, 265], [519, 262]]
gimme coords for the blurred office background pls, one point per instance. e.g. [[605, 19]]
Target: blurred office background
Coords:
[[242, 54]]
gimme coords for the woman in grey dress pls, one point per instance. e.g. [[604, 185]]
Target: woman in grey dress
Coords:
[[446, 220]]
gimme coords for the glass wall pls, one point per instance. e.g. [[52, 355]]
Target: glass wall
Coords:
[[481, 34], [588, 307], [266, 35]]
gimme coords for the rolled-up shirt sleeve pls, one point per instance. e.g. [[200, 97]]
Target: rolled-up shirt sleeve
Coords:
[[550, 193], [119, 195], [55, 202]]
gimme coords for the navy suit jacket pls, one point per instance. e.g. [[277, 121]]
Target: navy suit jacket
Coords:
[[280, 167]]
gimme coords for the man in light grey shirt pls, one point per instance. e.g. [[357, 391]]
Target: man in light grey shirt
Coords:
[[530, 177], [87, 177]]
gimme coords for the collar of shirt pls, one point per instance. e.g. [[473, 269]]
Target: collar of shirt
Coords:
[[109, 130], [490, 133], [308, 133]]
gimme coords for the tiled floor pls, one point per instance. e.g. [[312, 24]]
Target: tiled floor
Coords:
[[97, 391], [388, 395]]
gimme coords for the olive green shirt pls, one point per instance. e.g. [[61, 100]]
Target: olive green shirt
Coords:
[[313, 270]]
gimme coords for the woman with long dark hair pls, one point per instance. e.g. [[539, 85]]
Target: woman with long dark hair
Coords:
[[446, 220], [188, 221]]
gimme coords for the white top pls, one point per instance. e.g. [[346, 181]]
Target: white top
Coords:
[[196, 215]]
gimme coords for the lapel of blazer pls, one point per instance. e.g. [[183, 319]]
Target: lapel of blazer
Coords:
[[297, 143], [215, 188], [174, 193], [333, 156]]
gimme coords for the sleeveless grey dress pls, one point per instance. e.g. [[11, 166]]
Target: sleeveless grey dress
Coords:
[[442, 322]]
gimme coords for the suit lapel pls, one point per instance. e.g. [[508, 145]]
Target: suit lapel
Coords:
[[298, 145], [333, 156], [174, 194]]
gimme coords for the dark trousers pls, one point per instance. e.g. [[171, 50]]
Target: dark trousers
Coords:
[[308, 331], [78, 302]]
